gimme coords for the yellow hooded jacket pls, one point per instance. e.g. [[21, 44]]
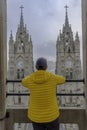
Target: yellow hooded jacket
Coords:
[[43, 104]]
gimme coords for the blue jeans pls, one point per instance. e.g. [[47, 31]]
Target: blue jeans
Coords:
[[54, 125]]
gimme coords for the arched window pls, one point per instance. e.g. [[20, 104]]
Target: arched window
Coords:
[[22, 73], [67, 75], [69, 50], [18, 74], [71, 75]]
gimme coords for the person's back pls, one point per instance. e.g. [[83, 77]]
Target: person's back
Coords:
[[43, 106]]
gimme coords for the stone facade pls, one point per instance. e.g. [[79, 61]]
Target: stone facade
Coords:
[[68, 64], [20, 63]]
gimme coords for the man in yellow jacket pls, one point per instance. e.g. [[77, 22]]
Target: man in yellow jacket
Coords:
[[43, 108]]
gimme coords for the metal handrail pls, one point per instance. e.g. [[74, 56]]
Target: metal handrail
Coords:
[[58, 94], [19, 81]]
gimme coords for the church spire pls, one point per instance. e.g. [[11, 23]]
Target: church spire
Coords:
[[11, 37], [21, 18], [66, 16], [77, 37]]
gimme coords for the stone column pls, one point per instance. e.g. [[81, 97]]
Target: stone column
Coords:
[[84, 36], [3, 61]]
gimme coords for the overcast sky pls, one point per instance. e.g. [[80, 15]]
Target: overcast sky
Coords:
[[44, 19]]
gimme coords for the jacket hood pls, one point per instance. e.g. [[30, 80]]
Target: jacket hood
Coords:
[[40, 76]]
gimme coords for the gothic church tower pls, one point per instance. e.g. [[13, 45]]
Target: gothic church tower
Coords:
[[68, 63], [20, 61], [20, 52]]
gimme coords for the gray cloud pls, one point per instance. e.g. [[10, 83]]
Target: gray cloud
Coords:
[[46, 49], [76, 3], [44, 19]]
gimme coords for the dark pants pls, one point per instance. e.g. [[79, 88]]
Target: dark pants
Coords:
[[54, 125]]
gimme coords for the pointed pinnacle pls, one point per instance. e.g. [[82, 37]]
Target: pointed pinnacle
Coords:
[[21, 18], [66, 17]]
